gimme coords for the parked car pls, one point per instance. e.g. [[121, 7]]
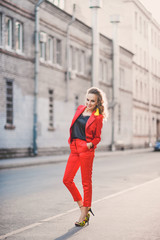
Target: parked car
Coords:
[[157, 145]]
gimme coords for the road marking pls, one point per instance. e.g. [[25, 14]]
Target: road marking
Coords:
[[126, 190], [20, 230], [75, 209]]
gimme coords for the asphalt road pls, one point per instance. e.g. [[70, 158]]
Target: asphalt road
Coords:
[[35, 204]]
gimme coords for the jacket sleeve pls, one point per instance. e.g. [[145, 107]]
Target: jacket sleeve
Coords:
[[97, 136]]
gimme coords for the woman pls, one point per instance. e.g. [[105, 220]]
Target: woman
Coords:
[[85, 134]]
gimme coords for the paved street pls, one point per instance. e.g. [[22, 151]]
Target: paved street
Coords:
[[36, 205]]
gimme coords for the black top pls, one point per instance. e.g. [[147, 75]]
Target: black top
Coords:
[[78, 128]]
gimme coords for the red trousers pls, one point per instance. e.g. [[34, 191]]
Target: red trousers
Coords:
[[80, 156]]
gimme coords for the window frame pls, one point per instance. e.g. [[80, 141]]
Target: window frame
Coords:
[[19, 36], [51, 110], [50, 49], [58, 58], [9, 33], [9, 86]]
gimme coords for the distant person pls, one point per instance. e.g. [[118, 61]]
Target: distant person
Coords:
[[85, 134]]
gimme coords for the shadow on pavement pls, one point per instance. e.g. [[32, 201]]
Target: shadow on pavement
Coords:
[[70, 233]]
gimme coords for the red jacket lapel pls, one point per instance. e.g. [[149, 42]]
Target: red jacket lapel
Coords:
[[91, 119], [78, 113]]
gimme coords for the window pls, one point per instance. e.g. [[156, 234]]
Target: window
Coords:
[[136, 53], [119, 118], [101, 70], [136, 20], [145, 92], [76, 58], [58, 51], [140, 25], [0, 29], [144, 31], [8, 35], [43, 38], [105, 72], [43, 51], [122, 77], [50, 49], [19, 36], [152, 95], [136, 93], [140, 56], [81, 62], [51, 109], [144, 59], [58, 3], [155, 39], [9, 102], [155, 67], [72, 58], [141, 91], [152, 64]]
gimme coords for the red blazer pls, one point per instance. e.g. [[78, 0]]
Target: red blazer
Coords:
[[93, 126]]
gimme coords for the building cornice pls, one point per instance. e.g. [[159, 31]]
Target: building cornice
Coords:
[[63, 33], [16, 55], [126, 91], [145, 11], [16, 9], [64, 16], [142, 108]]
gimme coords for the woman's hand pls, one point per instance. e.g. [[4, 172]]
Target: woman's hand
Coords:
[[89, 145]]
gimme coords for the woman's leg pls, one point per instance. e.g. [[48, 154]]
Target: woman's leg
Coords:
[[72, 167], [86, 159]]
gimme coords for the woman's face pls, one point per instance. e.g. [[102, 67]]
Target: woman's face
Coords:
[[91, 101]]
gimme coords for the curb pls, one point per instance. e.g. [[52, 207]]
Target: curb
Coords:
[[43, 160]]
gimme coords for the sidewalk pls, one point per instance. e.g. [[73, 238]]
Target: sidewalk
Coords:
[[39, 160]]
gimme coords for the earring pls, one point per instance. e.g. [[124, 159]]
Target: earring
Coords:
[[97, 112]]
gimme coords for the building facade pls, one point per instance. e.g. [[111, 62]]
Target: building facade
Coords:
[[140, 34], [57, 97]]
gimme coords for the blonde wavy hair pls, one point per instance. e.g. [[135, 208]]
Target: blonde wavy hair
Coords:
[[102, 103]]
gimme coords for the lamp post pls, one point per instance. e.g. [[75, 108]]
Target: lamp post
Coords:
[[36, 71], [95, 5], [115, 72]]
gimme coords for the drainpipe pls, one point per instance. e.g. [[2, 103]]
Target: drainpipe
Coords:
[[67, 53], [115, 82], [36, 71], [95, 5]]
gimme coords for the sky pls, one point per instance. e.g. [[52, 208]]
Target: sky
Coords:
[[153, 6]]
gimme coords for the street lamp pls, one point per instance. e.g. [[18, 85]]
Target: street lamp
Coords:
[[95, 5], [115, 72]]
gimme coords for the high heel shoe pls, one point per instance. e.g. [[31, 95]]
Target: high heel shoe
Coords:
[[80, 224], [83, 223], [88, 215], [90, 210]]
